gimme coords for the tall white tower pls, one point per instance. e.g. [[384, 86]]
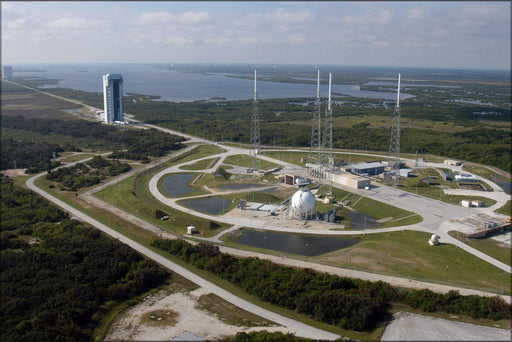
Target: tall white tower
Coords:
[[113, 98], [327, 159]]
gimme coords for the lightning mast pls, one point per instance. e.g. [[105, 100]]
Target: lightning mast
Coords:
[[255, 131], [394, 144], [315, 153], [327, 160]]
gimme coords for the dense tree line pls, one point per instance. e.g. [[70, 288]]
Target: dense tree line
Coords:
[[34, 156], [57, 274], [348, 303], [132, 144]]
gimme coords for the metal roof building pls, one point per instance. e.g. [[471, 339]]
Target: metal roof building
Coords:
[[370, 169]]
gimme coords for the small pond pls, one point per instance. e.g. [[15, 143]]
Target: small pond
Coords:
[[361, 221], [210, 205], [295, 243], [176, 184]]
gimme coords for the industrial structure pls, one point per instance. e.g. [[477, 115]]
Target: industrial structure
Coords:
[[7, 72], [113, 98], [303, 205], [255, 131], [394, 143]]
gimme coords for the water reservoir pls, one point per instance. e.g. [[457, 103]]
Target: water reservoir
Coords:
[[295, 243]]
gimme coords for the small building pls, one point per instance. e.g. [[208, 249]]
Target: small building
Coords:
[[405, 173], [370, 169], [452, 162], [464, 177], [477, 203], [191, 230], [465, 203], [447, 176]]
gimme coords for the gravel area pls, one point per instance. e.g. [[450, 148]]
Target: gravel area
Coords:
[[131, 325], [412, 327]]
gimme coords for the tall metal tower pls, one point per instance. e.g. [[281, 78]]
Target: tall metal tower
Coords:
[[327, 159], [394, 143], [315, 153], [255, 152]]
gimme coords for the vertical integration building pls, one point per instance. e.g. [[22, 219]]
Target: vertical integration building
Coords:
[[113, 98], [7, 72]]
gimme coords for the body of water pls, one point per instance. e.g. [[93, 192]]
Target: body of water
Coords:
[[210, 205], [294, 243], [176, 185], [182, 87]]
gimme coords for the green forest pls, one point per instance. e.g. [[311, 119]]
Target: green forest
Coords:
[[351, 304], [59, 276], [134, 144]]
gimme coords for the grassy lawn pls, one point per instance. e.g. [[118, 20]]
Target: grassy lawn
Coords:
[[407, 254], [505, 210], [498, 250], [131, 196], [381, 210], [246, 161], [199, 165]]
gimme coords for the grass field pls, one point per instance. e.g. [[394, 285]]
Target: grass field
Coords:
[[406, 254], [246, 161], [498, 250], [505, 210], [199, 165]]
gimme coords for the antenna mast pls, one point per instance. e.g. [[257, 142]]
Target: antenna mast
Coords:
[[315, 153], [394, 144], [327, 160], [255, 131]]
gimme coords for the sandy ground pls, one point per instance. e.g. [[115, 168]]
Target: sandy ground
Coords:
[[410, 327], [128, 326], [14, 172]]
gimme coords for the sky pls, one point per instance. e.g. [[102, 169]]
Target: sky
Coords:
[[462, 34]]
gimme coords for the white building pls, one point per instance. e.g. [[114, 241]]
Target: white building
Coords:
[[113, 98]]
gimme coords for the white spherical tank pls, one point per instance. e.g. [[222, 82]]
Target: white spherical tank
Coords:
[[303, 204]]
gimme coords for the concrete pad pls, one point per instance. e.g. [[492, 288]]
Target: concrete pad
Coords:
[[411, 327]]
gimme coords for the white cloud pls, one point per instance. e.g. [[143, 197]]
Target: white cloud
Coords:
[[73, 23], [283, 16], [194, 17], [151, 18]]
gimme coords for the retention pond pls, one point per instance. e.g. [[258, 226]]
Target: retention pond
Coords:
[[295, 243], [176, 184], [210, 205]]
